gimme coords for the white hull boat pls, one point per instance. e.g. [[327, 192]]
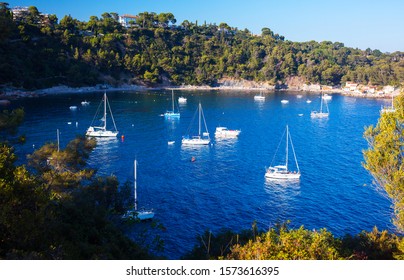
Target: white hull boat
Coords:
[[135, 214], [282, 172], [172, 114], [327, 97], [224, 132], [259, 97], [195, 140], [202, 138], [321, 114], [388, 109], [182, 100], [101, 131]]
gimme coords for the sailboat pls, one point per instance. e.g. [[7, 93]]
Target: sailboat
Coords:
[[182, 100], [101, 131], [327, 97], [259, 97], [389, 109], [203, 137], [172, 114], [321, 114], [134, 213], [281, 172]]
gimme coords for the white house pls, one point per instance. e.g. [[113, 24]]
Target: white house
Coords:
[[125, 20]]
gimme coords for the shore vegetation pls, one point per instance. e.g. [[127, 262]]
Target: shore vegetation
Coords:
[[42, 51]]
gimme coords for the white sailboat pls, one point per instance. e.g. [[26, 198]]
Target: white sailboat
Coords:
[[321, 114], [101, 131], [281, 172], [135, 214], [388, 109], [172, 114], [182, 100], [203, 137], [259, 97], [327, 97]]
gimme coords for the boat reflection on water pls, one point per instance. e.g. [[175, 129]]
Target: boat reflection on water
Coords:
[[106, 152], [289, 184], [284, 196]]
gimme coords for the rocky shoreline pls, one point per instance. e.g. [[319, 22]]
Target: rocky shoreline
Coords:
[[7, 94]]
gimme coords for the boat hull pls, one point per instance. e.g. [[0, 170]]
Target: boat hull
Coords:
[[226, 133], [182, 100], [100, 133], [282, 176], [138, 215], [319, 115], [195, 141], [170, 115]]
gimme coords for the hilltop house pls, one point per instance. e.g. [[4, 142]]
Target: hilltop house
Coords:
[[21, 14], [126, 20]]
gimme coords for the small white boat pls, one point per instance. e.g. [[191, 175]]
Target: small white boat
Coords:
[[135, 214], [170, 142], [101, 131], [259, 97], [299, 96], [321, 114], [182, 100], [85, 103], [308, 101], [327, 97], [224, 132], [284, 101], [73, 108], [281, 172], [388, 109], [200, 138], [172, 114]]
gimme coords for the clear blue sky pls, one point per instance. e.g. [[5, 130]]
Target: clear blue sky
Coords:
[[360, 24]]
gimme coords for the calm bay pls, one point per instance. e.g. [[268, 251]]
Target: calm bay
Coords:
[[225, 186]]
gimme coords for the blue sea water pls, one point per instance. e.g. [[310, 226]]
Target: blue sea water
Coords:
[[225, 186]]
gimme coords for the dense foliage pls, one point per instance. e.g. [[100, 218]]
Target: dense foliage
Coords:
[[59, 209], [284, 243], [385, 158], [40, 51]]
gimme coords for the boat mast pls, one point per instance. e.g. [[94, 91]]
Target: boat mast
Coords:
[[57, 133], [287, 140], [321, 104], [172, 98], [135, 194], [294, 154], [105, 111], [200, 108]]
